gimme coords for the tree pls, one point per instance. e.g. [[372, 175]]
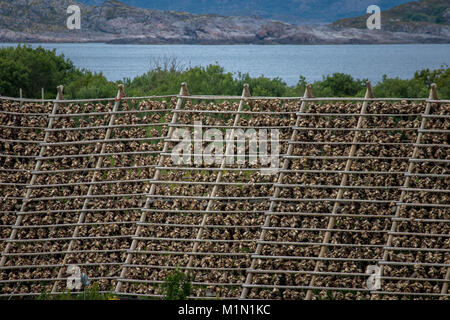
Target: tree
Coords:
[[338, 85], [32, 69]]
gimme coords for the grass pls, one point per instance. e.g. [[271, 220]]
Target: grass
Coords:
[[92, 293]]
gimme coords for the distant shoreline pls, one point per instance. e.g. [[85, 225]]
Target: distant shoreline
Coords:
[[114, 22], [226, 44]]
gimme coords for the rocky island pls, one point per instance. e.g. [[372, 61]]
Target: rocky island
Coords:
[[116, 22]]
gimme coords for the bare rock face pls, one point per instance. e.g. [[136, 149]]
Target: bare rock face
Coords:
[[291, 11], [114, 22]]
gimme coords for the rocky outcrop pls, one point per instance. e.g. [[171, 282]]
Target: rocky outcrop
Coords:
[[291, 11], [426, 17], [114, 22]]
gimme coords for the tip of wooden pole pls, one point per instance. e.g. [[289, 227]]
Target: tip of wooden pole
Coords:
[[60, 92], [184, 89], [60, 88], [308, 91], [369, 90], [121, 93], [246, 92], [433, 92]]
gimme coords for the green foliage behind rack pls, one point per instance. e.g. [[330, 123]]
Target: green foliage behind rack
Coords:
[[33, 69]]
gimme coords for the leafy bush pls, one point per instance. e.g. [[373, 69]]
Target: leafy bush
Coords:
[[201, 80], [400, 88], [176, 286], [32, 69], [263, 86], [439, 76], [86, 85], [339, 85], [417, 87]]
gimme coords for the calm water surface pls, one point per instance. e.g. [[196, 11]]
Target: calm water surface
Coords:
[[287, 62]]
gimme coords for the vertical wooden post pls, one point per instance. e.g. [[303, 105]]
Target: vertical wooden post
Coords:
[[21, 96]]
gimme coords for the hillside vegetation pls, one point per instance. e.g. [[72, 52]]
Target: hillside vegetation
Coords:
[[410, 17]]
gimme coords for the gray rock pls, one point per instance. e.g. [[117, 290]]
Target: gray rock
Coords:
[[114, 22]]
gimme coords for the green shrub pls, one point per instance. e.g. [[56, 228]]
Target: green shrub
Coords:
[[87, 85], [338, 85], [201, 80], [439, 76], [176, 286], [32, 69], [418, 86]]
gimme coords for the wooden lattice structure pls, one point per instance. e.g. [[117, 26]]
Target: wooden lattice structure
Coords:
[[363, 185]]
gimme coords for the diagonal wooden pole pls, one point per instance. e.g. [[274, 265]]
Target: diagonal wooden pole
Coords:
[[340, 194], [183, 92], [82, 216], [245, 94], [276, 193], [34, 176], [433, 96]]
